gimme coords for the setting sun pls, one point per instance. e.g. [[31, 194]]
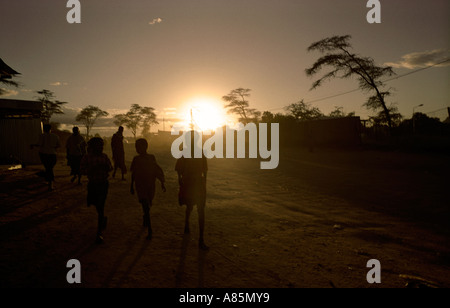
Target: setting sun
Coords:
[[204, 113]]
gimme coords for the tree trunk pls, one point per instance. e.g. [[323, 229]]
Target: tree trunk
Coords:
[[385, 109]]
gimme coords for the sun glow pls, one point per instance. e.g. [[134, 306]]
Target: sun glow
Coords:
[[204, 114]]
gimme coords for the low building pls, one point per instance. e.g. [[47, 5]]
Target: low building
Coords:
[[20, 126]]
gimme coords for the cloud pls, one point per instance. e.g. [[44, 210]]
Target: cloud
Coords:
[[58, 83], [155, 21], [8, 92], [423, 59], [169, 111]]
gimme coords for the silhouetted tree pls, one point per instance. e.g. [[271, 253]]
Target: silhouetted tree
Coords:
[[345, 64], [88, 116], [380, 119], [137, 117], [49, 105], [267, 117], [239, 105], [424, 124], [284, 118], [302, 111], [148, 119], [338, 112]]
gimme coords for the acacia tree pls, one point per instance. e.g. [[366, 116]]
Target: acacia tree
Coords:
[[137, 117], [239, 105], [49, 105], [88, 116], [345, 64]]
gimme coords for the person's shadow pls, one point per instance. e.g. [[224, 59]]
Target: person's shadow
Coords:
[[179, 277]]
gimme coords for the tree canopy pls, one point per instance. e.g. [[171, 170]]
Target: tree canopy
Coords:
[[238, 104], [138, 116], [88, 116], [49, 105], [303, 111]]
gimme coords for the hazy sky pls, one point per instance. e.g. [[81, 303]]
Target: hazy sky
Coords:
[[163, 53]]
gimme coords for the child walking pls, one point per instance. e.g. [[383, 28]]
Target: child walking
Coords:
[[144, 172], [97, 165], [192, 174]]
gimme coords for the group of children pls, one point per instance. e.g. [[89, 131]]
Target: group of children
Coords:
[[144, 172]]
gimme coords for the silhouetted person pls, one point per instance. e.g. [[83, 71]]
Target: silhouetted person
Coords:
[[192, 180], [48, 143], [118, 152], [96, 165], [144, 172], [76, 149]]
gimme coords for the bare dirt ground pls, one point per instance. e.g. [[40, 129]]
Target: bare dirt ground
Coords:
[[315, 221]]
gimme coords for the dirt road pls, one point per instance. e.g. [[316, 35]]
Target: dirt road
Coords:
[[314, 222]]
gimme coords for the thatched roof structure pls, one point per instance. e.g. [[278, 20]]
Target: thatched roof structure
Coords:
[[6, 72]]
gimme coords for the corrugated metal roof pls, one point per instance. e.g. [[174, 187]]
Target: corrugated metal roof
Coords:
[[15, 104]]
